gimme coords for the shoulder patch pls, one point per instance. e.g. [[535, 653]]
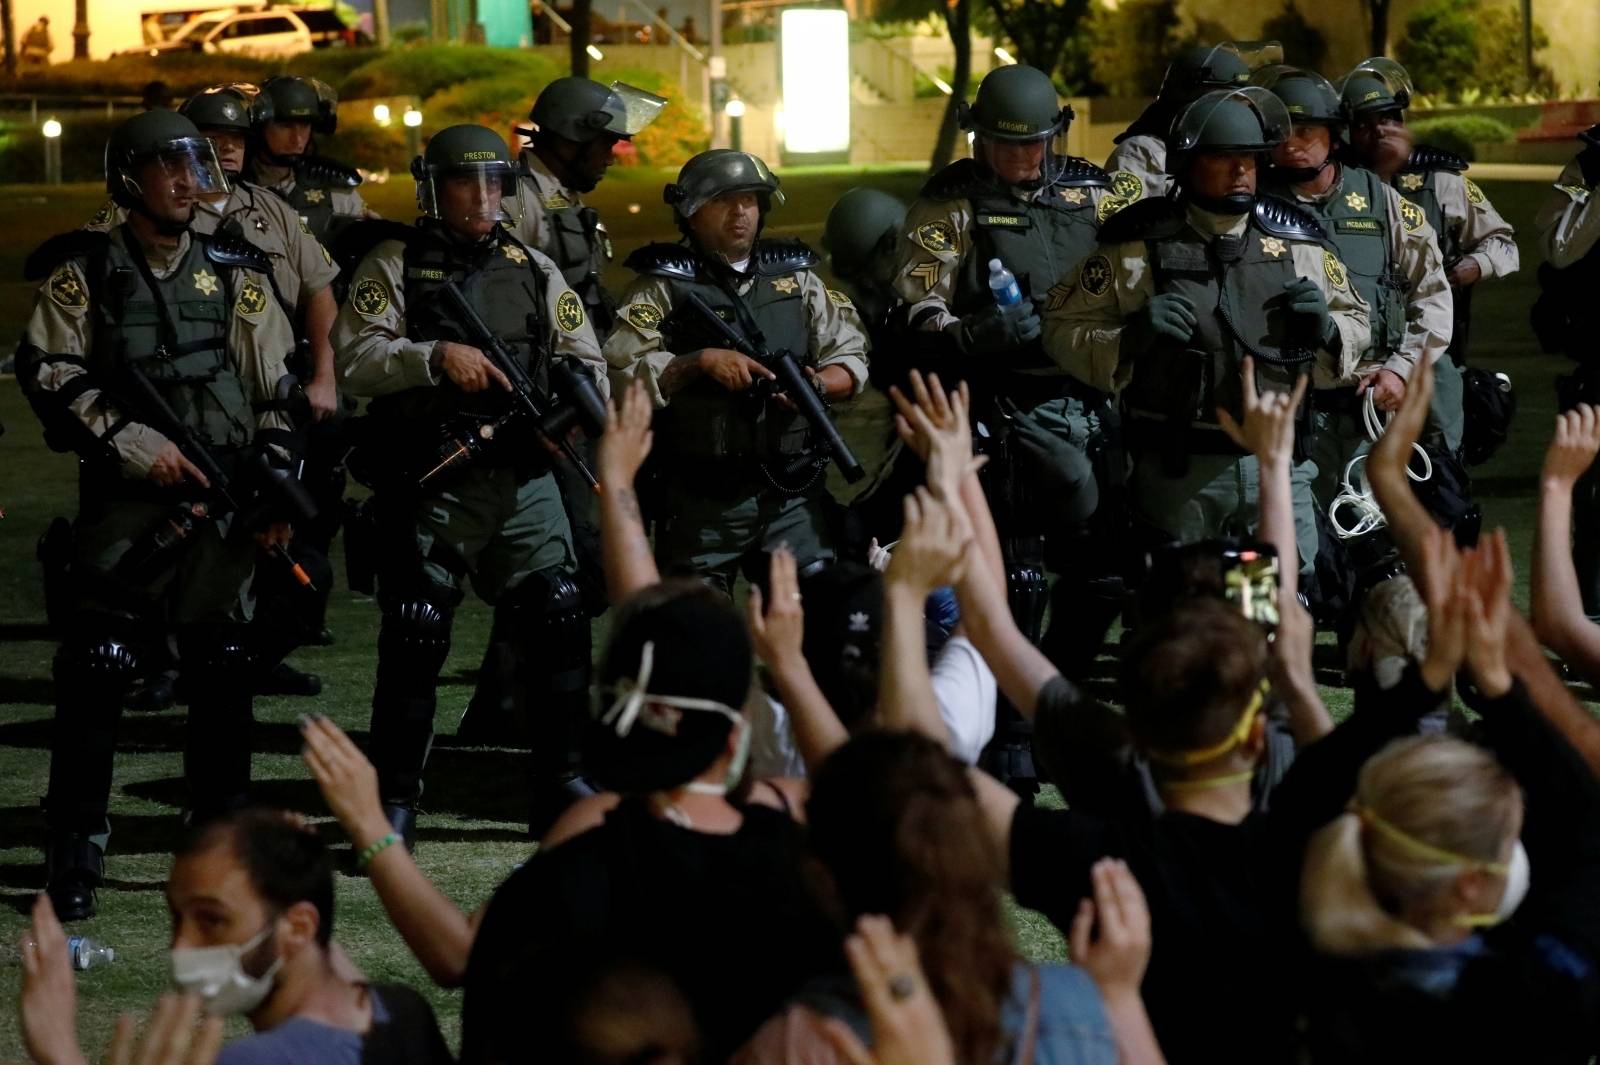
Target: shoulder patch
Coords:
[[1110, 205], [569, 311], [938, 236], [66, 290], [1095, 275], [1333, 268], [105, 215], [1411, 216], [645, 317], [252, 299], [1058, 295], [1474, 193], [1127, 184], [370, 297], [839, 297]]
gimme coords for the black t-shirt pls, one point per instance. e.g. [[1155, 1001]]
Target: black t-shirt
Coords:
[[727, 917], [1227, 951]]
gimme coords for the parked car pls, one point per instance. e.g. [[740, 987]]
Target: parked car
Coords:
[[268, 33]]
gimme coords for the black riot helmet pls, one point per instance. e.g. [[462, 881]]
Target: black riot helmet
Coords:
[[579, 110], [1246, 119], [464, 151], [1310, 101], [1018, 105], [863, 225], [229, 107], [712, 173], [186, 159]]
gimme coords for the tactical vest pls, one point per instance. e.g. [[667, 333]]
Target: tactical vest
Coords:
[[1365, 242], [183, 351], [1418, 181], [579, 245], [705, 421], [315, 181], [502, 283], [1236, 285]]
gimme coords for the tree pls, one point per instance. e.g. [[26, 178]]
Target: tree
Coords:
[[581, 37], [1131, 45], [957, 15], [1039, 30], [1378, 14], [1452, 46], [1303, 44]]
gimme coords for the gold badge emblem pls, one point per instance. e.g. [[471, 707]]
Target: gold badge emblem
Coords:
[[205, 281], [105, 215], [785, 285], [645, 317], [839, 297], [1333, 268], [252, 299], [937, 237], [66, 290], [1095, 275], [1057, 297], [1411, 182], [305, 227], [569, 311], [370, 297], [1411, 216], [1110, 205], [1356, 202], [315, 196], [1474, 193], [1127, 185], [514, 253], [1272, 246], [1073, 196], [928, 274], [556, 201]]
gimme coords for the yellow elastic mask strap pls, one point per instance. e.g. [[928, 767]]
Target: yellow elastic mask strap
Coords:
[[1421, 849], [1226, 780], [1240, 733]]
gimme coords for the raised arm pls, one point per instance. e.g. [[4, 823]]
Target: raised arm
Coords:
[[1555, 605], [629, 563], [777, 629]]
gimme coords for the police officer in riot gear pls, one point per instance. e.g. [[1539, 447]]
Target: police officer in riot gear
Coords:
[[154, 307], [289, 114], [861, 236], [1389, 252], [1180, 290], [739, 470], [496, 519]]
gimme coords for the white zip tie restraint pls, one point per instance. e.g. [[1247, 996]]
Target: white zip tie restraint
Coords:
[[1369, 516]]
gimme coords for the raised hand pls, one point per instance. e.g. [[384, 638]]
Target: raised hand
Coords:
[[49, 1001], [1111, 935], [1267, 431], [777, 629], [908, 1028], [170, 1038], [1573, 448], [933, 550], [348, 781], [626, 442], [1485, 578]]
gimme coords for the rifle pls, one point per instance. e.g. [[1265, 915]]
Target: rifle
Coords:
[[790, 382], [156, 413], [578, 403]]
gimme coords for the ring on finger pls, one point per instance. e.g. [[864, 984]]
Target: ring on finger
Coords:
[[902, 986]]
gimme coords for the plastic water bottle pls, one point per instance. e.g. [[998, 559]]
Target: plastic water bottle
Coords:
[[87, 953], [1003, 284]]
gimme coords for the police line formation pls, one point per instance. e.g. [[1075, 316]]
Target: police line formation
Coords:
[[200, 344]]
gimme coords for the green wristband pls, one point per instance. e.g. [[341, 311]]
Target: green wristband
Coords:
[[375, 848]]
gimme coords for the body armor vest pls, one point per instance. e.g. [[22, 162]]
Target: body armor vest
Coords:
[[508, 294], [705, 421], [1425, 163], [578, 244], [1236, 285], [315, 181], [1365, 243], [178, 341]]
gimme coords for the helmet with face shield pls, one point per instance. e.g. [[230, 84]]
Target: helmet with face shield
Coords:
[[577, 109], [475, 165], [158, 153], [1375, 86], [719, 170], [1017, 106], [1310, 101], [1228, 121]]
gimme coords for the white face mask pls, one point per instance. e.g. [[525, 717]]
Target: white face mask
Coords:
[[741, 757], [1519, 877], [217, 975]]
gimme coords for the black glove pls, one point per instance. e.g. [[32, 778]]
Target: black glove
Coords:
[[1589, 157], [1308, 312], [997, 328], [1168, 317]]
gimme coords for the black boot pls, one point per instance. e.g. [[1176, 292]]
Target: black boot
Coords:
[[403, 819], [284, 679], [74, 867]]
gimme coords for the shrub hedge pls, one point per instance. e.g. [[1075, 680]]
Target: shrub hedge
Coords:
[[1461, 133]]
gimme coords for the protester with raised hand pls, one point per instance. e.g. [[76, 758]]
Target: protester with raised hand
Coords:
[[1555, 605], [629, 563], [1110, 938], [907, 1026], [1458, 891]]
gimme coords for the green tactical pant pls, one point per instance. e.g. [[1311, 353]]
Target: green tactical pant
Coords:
[[719, 537], [1340, 437], [210, 583], [1218, 496], [1052, 442], [1446, 420], [496, 530]]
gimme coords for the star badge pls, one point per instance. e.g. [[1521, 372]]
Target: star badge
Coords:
[[1272, 246], [785, 285], [314, 195], [514, 253], [1073, 196], [1356, 202], [1411, 182], [205, 281], [260, 224]]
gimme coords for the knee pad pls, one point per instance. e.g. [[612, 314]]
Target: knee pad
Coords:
[[417, 631], [217, 651], [100, 660], [545, 621]]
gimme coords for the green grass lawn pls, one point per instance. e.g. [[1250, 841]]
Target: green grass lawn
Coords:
[[472, 830]]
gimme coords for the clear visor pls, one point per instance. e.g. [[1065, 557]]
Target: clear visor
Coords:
[[1270, 112], [1257, 54], [1276, 75], [1031, 163], [1386, 70], [470, 197], [184, 169], [639, 109], [325, 93]]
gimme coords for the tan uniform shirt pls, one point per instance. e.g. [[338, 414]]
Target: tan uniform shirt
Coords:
[[538, 193], [1145, 157], [937, 237], [1430, 321], [1083, 322], [1477, 228], [636, 351], [347, 203], [373, 356], [259, 339], [1569, 219], [301, 266]]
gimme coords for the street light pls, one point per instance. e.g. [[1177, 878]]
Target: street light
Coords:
[[52, 151], [412, 120], [734, 109], [595, 53], [380, 114]]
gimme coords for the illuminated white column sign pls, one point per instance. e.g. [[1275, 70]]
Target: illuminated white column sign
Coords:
[[816, 81]]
